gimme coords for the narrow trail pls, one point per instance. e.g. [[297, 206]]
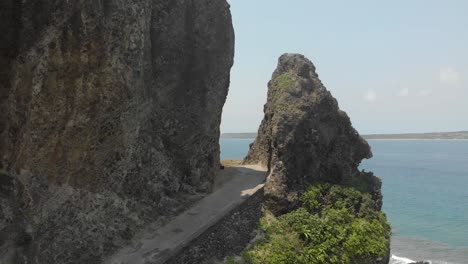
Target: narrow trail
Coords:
[[235, 185]]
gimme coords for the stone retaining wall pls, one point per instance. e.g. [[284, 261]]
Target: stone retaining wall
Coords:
[[227, 237]]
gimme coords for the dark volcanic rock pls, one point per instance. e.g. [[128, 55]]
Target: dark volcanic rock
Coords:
[[227, 237], [14, 211], [304, 136], [110, 112]]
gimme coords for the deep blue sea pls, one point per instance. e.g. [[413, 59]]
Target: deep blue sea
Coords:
[[425, 188]]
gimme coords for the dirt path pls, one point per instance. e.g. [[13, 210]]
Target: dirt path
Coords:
[[233, 186]]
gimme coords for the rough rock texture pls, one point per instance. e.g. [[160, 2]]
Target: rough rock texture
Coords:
[[14, 212], [304, 136], [109, 115], [227, 238]]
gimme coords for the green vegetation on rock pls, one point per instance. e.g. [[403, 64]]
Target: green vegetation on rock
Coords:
[[335, 224], [282, 107], [284, 82], [3, 172]]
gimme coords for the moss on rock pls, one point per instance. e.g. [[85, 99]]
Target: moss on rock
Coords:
[[284, 82]]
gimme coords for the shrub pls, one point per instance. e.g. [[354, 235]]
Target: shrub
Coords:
[[335, 225]]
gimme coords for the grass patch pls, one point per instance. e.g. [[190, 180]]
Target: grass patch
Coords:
[[284, 82]]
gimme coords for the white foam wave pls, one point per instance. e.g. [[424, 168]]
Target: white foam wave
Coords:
[[400, 260]]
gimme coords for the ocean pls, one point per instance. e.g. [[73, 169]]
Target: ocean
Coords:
[[425, 188]]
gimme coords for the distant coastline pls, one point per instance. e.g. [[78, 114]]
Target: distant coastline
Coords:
[[405, 136], [239, 135]]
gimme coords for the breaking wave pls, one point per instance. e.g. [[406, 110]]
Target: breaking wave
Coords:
[[402, 260]]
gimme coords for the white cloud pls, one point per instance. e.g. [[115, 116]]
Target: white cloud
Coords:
[[370, 96], [424, 92], [403, 92], [449, 76]]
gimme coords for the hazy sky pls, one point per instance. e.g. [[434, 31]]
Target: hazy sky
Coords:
[[394, 66]]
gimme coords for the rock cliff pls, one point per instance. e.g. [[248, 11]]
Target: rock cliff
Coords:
[[304, 136], [305, 140], [110, 114]]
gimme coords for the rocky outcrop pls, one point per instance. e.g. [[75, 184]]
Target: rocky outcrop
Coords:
[[304, 136], [110, 114]]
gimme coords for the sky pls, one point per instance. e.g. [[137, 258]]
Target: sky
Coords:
[[394, 66]]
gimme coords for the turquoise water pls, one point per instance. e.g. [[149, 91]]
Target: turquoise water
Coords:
[[425, 188]]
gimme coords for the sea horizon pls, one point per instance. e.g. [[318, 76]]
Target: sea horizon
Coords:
[[424, 195]]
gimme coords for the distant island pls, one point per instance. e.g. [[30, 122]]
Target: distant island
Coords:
[[433, 135]]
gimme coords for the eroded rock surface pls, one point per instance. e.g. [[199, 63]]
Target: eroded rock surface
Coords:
[[110, 114], [304, 136]]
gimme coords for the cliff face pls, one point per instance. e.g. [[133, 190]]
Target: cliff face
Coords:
[[110, 114], [304, 136], [306, 140]]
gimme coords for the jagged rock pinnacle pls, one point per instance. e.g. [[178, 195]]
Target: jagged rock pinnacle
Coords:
[[304, 136]]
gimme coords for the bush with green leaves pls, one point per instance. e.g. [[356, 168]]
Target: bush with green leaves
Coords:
[[335, 224]]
